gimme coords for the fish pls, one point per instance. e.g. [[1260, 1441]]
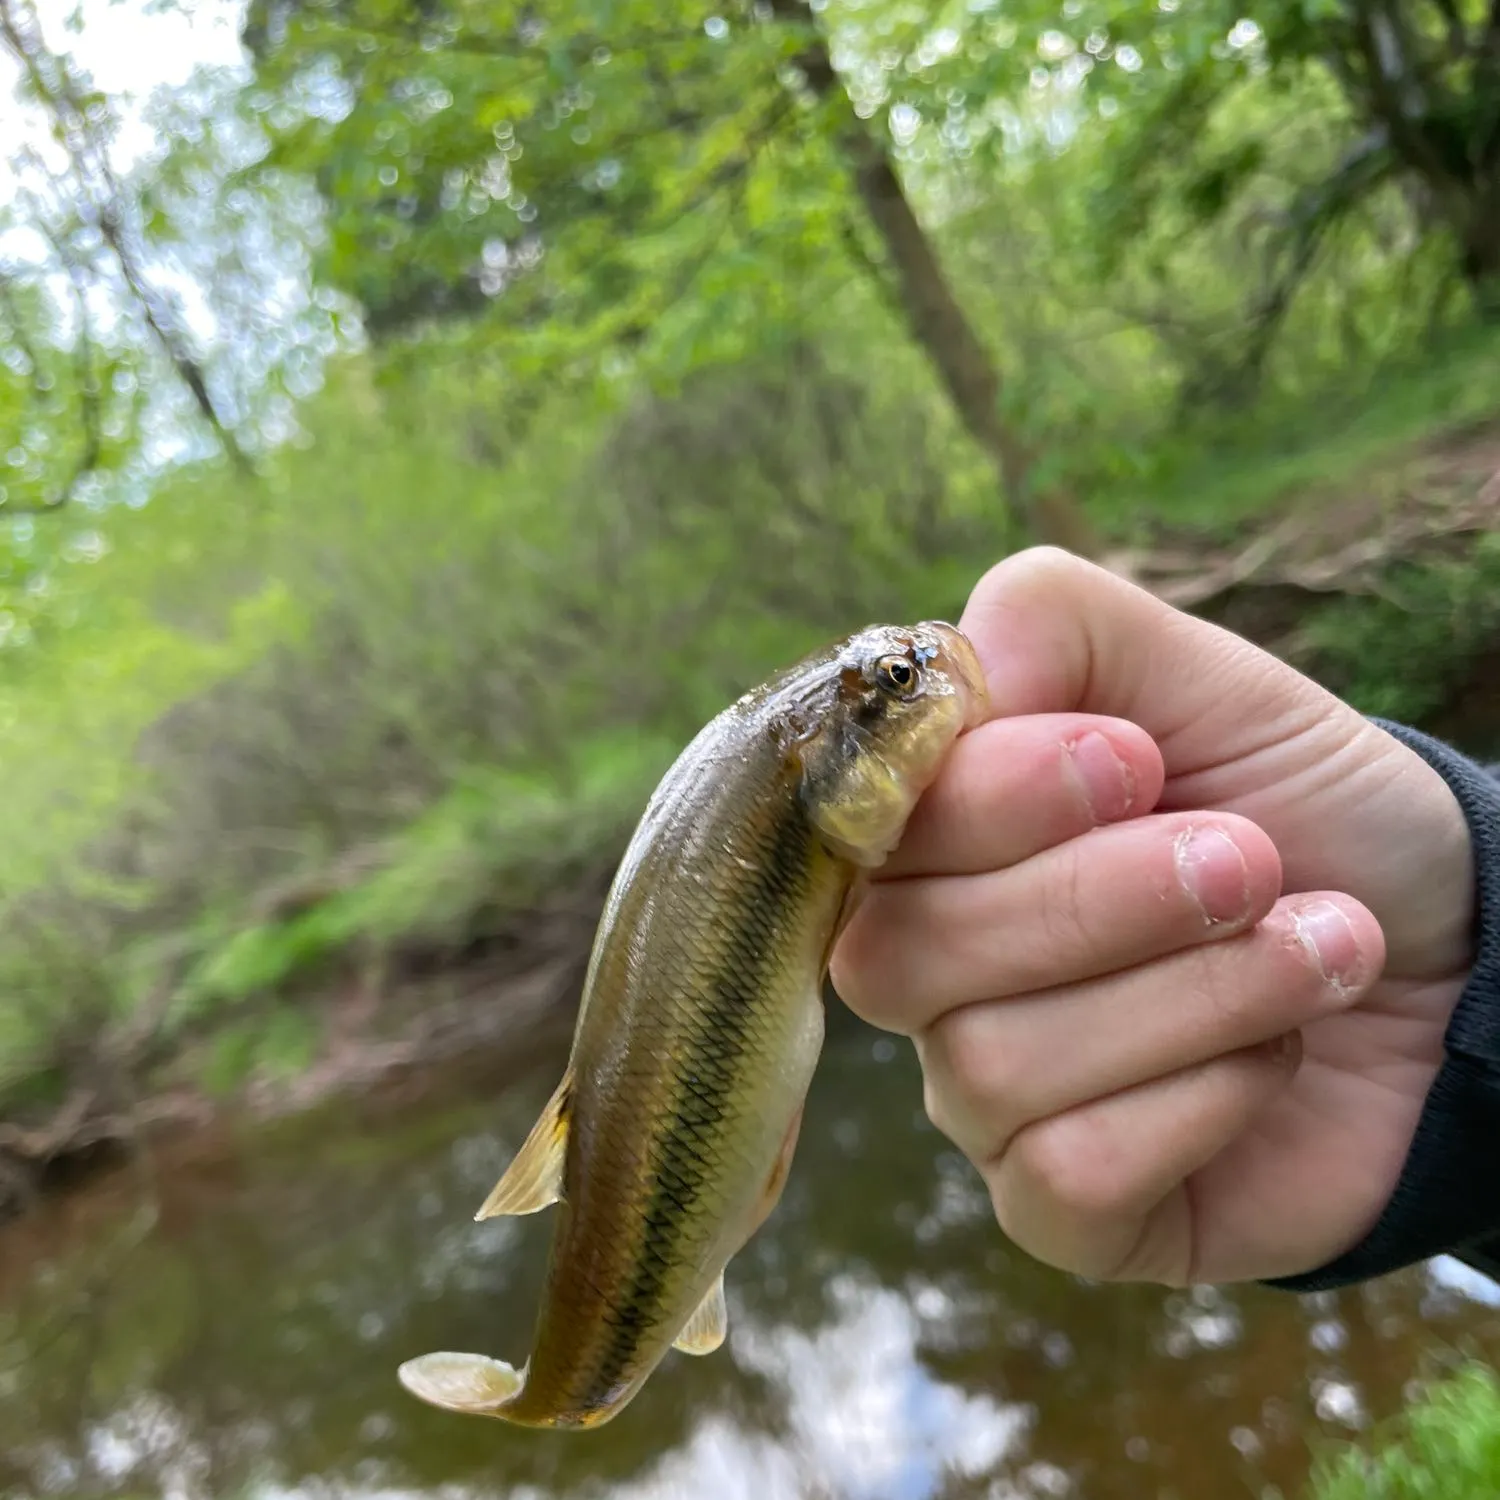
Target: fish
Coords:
[[669, 1139]]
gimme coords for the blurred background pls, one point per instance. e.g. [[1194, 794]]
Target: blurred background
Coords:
[[415, 420]]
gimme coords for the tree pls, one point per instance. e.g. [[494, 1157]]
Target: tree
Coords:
[[1418, 90], [573, 174]]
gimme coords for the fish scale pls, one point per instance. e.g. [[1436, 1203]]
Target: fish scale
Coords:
[[669, 1139]]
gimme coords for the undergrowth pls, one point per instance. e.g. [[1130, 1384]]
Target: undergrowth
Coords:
[[1444, 1447]]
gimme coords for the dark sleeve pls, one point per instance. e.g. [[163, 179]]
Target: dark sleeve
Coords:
[[1447, 1199]]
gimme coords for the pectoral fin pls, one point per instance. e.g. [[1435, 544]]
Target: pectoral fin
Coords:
[[470, 1383], [705, 1330], [535, 1178], [771, 1195]]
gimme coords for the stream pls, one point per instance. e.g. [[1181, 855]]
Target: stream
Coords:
[[226, 1320]]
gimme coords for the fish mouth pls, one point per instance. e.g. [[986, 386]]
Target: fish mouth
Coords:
[[967, 673]]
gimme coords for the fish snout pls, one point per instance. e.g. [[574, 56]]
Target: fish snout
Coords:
[[964, 669]]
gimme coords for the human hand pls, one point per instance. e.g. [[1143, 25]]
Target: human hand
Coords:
[[1177, 936]]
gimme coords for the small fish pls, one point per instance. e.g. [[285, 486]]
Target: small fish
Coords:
[[668, 1141]]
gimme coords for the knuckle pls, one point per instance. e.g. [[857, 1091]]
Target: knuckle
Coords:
[[974, 1087], [965, 1060], [939, 1107], [1074, 1164], [1048, 563]]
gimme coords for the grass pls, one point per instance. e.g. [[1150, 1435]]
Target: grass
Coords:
[[1444, 1447]]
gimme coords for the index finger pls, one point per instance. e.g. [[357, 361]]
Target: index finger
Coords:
[[1013, 787]]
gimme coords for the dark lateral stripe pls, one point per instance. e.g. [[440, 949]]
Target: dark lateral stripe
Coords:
[[679, 1166]]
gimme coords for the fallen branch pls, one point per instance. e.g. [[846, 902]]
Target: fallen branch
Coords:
[[1191, 581]]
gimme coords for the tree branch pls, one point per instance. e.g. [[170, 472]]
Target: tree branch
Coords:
[[1458, 39], [934, 317], [1384, 96], [85, 377], [1316, 211], [100, 199]]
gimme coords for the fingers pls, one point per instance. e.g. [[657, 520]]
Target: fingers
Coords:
[[1099, 1191], [1016, 786], [917, 948], [993, 1069], [1238, 731]]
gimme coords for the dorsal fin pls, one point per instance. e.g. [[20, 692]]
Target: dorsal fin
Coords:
[[535, 1178]]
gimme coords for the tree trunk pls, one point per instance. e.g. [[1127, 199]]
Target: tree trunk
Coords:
[[1481, 253], [933, 315]]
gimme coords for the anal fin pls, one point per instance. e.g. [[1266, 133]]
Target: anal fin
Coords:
[[535, 1178], [705, 1330]]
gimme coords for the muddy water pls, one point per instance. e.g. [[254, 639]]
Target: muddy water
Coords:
[[886, 1343]]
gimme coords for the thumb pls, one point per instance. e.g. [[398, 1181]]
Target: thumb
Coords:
[[1348, 806], [1057, 634]]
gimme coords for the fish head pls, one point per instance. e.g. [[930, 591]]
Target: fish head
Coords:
[[876, 716]]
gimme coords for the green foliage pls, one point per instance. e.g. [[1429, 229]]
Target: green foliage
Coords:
[[647, 188], [577, 175], [1215, 472], [278, 1042], [1445, 1447], [1401, 655], [498, 842], [311, 733]]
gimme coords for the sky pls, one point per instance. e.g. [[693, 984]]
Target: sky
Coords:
[[129, 47]]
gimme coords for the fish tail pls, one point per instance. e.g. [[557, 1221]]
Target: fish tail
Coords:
[[472, 1383]]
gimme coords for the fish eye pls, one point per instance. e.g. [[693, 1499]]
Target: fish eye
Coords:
[[896, 674]]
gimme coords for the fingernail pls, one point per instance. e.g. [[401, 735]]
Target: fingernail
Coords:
[[1106, 781], [1212, 871], [1324, 930]]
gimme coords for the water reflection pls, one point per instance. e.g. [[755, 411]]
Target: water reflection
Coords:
[[886, 1343], [865, 1416]]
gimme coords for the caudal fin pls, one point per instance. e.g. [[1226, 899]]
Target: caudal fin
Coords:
[[472, 1383]]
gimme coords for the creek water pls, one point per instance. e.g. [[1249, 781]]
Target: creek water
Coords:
[[886, 1342]]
